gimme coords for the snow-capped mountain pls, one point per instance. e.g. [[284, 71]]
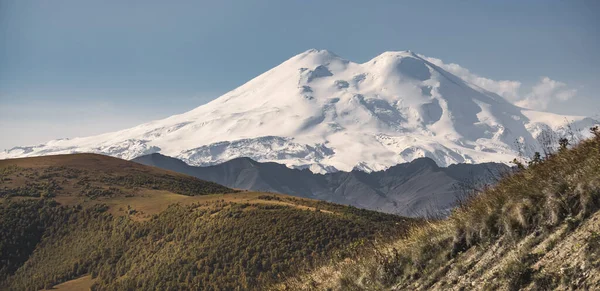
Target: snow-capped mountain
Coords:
[[320, 111]]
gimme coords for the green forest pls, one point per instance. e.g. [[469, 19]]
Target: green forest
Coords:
[[212, 245]]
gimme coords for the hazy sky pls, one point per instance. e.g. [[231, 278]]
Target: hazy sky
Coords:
[[74, 67]]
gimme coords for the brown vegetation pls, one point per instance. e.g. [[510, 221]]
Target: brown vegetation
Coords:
[[92, 176]]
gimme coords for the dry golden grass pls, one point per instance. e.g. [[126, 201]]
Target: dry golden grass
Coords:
[[93, 176], [507, 227], [80, 284], [85, 162], [150, 202]]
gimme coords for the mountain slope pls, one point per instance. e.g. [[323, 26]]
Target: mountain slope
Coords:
[[538, 229], [92, 176], [415, 188], [119, 225], [322, 112]]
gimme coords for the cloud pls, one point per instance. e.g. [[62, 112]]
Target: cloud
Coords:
[[505, 88], [545, 92], [538, 97]]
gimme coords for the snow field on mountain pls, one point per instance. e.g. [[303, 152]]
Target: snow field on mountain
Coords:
[[321, 112]]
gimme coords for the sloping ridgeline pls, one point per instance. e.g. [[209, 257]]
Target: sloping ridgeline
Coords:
[[120, 225], [538, 229], [410, 189]]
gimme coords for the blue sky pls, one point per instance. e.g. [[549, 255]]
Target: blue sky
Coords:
[[75, 67]]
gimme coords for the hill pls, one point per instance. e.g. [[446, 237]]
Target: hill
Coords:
[[410, 189], [92, 176], [92, 220], [325, 113], [538, 229]]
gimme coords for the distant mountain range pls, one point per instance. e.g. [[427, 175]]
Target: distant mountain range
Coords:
[[322, 112], [416, 188]]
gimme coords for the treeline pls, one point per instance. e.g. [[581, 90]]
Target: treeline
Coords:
[[223, 246], [180, 184], [23, 225]]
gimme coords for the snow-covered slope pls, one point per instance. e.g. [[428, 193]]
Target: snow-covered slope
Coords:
[[319, 111]]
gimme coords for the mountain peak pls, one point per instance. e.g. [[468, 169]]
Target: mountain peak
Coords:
[[391, 55], [314, 51], [314, 57], [322, 112]]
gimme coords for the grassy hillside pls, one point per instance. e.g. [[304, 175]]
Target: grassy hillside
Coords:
[[81, 220], [538, 229], [92, 176]]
